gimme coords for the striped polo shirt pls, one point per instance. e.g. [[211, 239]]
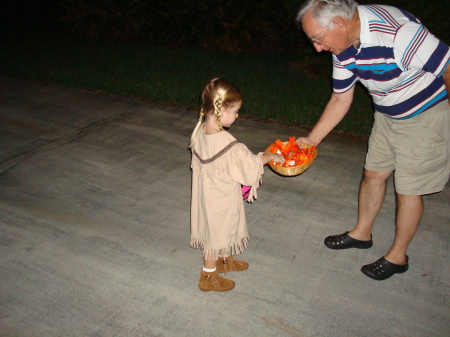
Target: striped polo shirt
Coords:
[[398, 60]]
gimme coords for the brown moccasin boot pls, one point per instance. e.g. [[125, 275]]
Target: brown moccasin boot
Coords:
[[214, 282], [227, 264]]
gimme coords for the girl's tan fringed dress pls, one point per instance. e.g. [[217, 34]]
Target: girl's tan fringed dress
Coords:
[[219, 166]]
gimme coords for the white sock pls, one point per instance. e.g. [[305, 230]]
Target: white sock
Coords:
[[209, 270]]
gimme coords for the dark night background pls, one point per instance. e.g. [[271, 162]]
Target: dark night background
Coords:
[[231, 25]]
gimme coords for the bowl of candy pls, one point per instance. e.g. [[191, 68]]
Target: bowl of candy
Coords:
[[297, 159]]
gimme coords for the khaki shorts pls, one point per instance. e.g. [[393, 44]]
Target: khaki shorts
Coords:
[[417, 149]]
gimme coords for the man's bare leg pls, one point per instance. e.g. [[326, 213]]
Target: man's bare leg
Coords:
[[370, 200], [409, 213]]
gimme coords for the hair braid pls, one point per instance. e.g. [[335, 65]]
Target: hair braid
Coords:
[[199, 123], [217, 111]]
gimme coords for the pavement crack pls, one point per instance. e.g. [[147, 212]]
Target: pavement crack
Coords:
[[13, 161]]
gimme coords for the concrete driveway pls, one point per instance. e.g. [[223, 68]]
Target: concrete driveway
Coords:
[[94, 232]]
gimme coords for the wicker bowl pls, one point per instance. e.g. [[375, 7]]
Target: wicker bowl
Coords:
[[294, 170]]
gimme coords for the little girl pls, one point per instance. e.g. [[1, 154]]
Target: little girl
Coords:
[[220, 166]]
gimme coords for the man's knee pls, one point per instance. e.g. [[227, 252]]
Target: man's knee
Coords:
[[372, 176], [408, 199]]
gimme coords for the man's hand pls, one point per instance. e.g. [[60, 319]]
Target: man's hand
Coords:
[[306, 140]]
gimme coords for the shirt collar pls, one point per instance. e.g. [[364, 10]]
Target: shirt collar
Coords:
[[364, 35]]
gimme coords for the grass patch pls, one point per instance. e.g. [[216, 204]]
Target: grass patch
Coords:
[[288, 86]]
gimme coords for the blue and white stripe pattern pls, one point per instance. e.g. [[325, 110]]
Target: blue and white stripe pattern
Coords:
[[398, 60]]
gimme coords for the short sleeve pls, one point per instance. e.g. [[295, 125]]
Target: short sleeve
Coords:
[[343, 79], [417, 48]]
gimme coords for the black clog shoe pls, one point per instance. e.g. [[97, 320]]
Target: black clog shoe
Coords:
[[344, 241], [382, 269]]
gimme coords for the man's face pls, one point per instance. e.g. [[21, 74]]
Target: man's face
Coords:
[[329, 38]]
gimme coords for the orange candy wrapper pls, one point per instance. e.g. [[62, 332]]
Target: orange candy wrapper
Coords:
[[293, 154]]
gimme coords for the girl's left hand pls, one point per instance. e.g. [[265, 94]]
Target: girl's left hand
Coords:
[[278, 158], [268, 156]]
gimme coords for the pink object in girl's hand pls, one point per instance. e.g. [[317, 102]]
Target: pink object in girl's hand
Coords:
[[245, 191]]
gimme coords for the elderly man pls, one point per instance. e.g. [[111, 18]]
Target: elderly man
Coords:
[[405, 68]]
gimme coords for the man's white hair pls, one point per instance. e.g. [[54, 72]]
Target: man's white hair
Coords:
[[325, 10]]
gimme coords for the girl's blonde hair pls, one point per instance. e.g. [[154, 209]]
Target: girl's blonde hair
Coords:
[[217, 93]]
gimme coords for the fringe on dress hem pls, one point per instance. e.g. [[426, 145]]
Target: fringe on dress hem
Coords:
[[235, 249]]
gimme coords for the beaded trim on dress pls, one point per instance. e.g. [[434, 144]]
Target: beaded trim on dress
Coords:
[[219, 162], [217, 155]]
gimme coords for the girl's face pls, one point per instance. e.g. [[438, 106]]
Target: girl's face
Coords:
[[230, 114]]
